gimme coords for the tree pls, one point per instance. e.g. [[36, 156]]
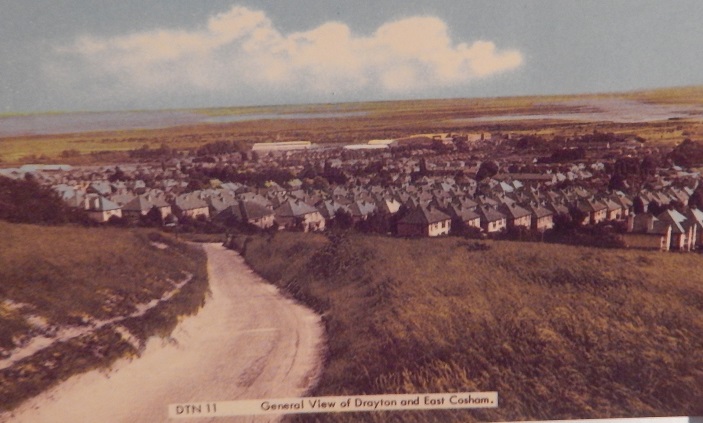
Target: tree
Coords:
[[655, 208], [118, 221], [687, 154], [638, 205], [617, 182], [118, 175], [403, 210], [152, 218], [578, 216], [320, 183], [374, 223], [696, 199], [195, 185], [627, 166], [70, 153], [462, 145], [423, 167], [565, 155], [308, 172], [486, 170], [25, 201], [343, 219], [649, 165]]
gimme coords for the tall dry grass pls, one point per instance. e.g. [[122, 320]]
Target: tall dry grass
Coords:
[[71, 276], [560, 332]]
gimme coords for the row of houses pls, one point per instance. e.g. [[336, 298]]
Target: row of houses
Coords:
[[220, 204], [670, 230], [432, 206]]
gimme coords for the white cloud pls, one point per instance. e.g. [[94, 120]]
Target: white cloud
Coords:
[[240, 52]]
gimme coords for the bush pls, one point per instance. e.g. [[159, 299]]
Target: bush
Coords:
[[25, 201]]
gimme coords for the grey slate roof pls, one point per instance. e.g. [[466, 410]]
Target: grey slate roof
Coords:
[[513, 211], [139, 204], [464, 213], [251, 210], [648, 224], [101, 203], [489, 214], [424, 216], [362, 208], [538, 211], [189, 202], [294, 208], [677, 221]]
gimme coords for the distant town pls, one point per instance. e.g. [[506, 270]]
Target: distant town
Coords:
[[477, 184]]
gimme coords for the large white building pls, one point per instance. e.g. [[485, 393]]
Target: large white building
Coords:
[[281, 146], [366, 147]]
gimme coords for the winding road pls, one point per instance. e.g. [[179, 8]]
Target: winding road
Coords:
[[247, 342]]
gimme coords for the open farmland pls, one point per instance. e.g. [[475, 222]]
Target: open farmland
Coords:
[[597, 333], [350, 123]]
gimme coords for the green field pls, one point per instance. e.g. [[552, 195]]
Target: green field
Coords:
[[70, 275], [560, 332]]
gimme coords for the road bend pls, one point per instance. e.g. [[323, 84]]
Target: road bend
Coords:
[[247, 342]]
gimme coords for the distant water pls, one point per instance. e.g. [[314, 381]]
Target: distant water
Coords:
[[265, 116], [61, 123], [602, 110], [65, 123], [596, 110]]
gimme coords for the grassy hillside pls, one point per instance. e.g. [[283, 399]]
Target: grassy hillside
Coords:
[[54, 277], [560, 332]]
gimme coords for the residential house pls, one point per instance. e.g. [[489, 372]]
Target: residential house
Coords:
[[100, 209], [625, 203], [160, 203], [328, 208], [296, 214], [360, 210], [542, 219], [190, 206], [695, 216], [491, 219], [249, 212], [141, 205], [516, 216], [466, 215], [387, 204], [596, 211], [424, 221], [99, 187], [683, 231], [614, 211], [647, 232], [218, 203]]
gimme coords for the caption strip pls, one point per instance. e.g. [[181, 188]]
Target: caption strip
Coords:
[[335, 404]]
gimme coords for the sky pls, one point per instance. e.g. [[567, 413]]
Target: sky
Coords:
[[82, 55]]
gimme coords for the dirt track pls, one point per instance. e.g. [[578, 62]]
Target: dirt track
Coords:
[[248, 342]]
